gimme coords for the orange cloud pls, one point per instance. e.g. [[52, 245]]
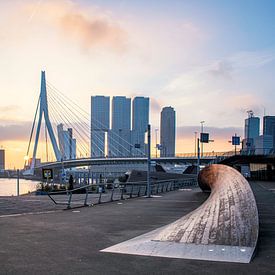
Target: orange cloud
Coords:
[[92, 32], [88, 27]]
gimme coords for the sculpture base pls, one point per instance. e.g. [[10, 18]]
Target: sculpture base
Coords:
[[143, 245]]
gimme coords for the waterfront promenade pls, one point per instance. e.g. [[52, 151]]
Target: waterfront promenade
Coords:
[[38, 237]]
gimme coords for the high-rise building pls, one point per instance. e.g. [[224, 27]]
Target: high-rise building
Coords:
[[119, 137], [168, 132], [140, 117], [140, 120], [2, 159], [251, 130], [67, 144], [263, 144], [269, 128], [121, 113], [100, 124]]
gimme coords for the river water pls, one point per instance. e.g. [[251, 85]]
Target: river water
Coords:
[[8, 187]]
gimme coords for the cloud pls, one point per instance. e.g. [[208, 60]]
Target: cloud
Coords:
[[19, 131], [9, 108], [214, 132], [221, 91], [88, 27], [251, 59], [239, 61], [93, 32], [244, 101], [10, 114], [155, 106], [222, 68]]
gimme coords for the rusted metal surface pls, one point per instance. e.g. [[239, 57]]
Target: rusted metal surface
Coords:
[[228, 217], [224, 228]]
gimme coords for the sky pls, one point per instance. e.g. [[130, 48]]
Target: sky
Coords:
[[211, 60]]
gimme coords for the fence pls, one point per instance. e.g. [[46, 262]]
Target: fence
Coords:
[[96, 194]]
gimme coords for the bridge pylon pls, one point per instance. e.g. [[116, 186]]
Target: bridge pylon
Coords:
[[43, 110]]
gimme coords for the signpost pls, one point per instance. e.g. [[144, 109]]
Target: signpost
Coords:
[[149, 161], [47, 173], [198, 163], [204, 138], [236, 140]]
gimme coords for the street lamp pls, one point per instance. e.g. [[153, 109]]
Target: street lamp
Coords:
[[156, 136], [195, 143], [200, 138]]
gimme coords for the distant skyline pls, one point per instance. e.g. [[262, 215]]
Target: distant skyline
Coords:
[[209, 60]]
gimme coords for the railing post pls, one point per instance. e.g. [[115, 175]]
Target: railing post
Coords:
[[100, 194], [131, 193], [121, 193], [86, 197], [138, 191], [112, 193], [69, 200]]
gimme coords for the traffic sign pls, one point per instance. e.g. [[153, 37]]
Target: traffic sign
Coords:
[[47, 173], [236, 140], [204, 138]]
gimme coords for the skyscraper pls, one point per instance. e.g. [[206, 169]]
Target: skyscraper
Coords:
[[140, 117], [263, 144], [269, 128], [67, 144], [168, 132], [100, 124], [140, 120], [2, 159], [251, 130], [119, 136]]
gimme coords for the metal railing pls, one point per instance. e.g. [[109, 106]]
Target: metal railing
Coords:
[[90, 195], [245, 152]]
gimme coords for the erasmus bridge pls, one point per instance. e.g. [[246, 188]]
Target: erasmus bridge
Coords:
[[56, 108]]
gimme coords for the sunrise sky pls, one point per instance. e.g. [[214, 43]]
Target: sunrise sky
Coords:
[[210, 60]]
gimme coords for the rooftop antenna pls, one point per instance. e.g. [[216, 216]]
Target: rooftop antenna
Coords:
[[250, 113]]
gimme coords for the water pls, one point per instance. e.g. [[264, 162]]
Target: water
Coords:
[[8, 187]]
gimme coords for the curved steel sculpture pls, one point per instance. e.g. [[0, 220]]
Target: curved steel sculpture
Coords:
[[224, 228], [228, 217]]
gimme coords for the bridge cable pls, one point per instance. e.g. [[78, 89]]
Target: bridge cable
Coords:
[[100, 123], [64, 119], [33, 125], [80, 124]]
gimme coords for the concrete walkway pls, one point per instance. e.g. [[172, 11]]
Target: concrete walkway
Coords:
[[44, 239]]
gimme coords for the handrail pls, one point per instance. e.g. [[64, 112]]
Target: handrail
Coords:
[[123, 191]]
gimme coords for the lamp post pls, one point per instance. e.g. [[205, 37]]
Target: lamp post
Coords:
[[201, 141], [149, 161], [235, 141], [195, 143], [198, 160], [156, 136]]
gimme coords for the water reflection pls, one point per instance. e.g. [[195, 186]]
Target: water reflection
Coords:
[[8, 187]]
